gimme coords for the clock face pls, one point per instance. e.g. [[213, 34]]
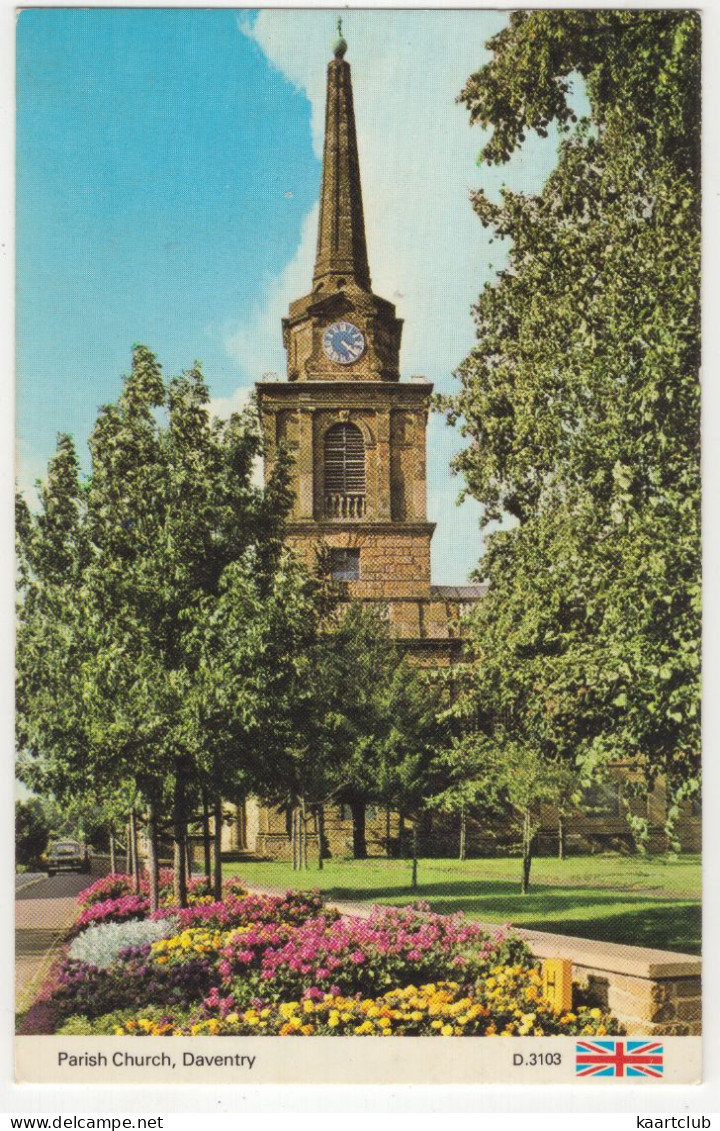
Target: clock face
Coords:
[[343, 343]]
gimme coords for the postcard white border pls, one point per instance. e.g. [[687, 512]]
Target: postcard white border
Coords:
[[496, 1097]]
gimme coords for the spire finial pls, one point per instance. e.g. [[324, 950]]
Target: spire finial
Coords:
[[339, 46]]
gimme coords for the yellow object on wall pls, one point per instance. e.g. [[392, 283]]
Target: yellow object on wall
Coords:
[[557, 983]]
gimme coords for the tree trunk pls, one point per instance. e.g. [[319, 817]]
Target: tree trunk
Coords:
[[189, 854], [320, 831], [207, 847], [217, 848], [358, 823], [293, 837], [387, 831], [179, 834], [527, 852], [135, 863], [414, 881], [153, 855], [304, 837], [561, 837], [462, 855], [128, 850], [113, 861]]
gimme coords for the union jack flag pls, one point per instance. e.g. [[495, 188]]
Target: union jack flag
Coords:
[[618, 1058]]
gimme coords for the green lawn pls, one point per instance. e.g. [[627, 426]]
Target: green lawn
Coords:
[[644, 901]]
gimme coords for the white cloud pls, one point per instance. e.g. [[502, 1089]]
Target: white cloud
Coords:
[[255, 344]]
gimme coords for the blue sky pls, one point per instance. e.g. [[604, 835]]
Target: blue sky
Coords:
[[168, 169]]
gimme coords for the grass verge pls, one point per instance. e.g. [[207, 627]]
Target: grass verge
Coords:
[[639, 901]]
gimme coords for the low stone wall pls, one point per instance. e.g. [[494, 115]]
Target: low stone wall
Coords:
[[652, 992]]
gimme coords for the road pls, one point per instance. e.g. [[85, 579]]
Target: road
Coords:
[[44, 909]]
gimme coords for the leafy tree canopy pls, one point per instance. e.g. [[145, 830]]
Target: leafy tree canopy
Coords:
[[157, 608], [580, 400], [32, 831]]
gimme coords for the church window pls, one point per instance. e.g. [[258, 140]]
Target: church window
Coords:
[[344, 482], [345, 565]]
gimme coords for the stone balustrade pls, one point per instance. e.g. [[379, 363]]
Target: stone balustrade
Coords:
[[345, 506]]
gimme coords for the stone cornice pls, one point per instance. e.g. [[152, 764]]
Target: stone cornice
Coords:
[[359, 392], [331, 526]]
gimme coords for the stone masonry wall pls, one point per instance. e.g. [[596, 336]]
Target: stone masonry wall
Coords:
[[652, 992]]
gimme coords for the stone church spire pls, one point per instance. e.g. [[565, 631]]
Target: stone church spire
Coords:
[[341, 248], [341, 331]]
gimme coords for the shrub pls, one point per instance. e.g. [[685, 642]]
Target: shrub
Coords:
[[114, 911], [132, 978], [113, 886], [100, 945], [292, 908], [437, 1009], [119, 884], [235, 887], [110, 1024], [393, 947]]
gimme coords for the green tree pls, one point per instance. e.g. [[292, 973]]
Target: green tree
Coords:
[[32, 831], [470, 784], [580, 400], [259, 689], [408, 768], [358, 663], [529, 779], [123, 584]]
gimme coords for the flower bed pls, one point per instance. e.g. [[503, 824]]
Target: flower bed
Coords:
[[286, 965]]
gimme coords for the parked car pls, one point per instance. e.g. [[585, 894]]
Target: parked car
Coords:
[[67, 856]]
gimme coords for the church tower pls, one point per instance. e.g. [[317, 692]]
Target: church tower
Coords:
[[356, 431]]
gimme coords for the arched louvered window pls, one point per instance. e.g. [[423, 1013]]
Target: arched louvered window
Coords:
[[344, 483]]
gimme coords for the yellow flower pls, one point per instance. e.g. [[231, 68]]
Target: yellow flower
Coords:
[[596, 1013], [307, 1006], [447, 1031]]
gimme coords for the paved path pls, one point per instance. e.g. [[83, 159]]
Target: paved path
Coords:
[[25, 879], [44, 909]]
